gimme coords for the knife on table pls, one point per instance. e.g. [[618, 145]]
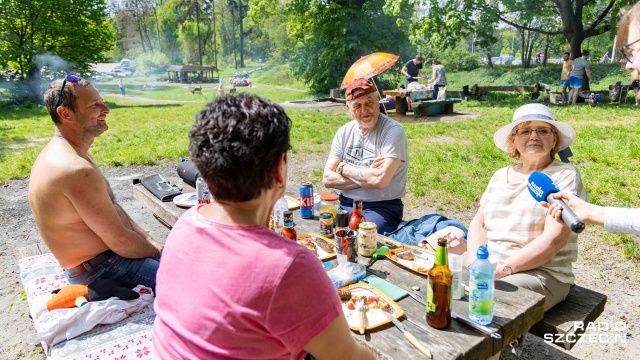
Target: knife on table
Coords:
[[408, 335], [481, 328], [461, 319]]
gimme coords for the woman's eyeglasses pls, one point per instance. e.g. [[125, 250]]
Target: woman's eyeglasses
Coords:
[[73, 79], [627, 52], [526, 132]]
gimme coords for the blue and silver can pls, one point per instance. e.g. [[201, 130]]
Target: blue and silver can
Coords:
[[306, 200]]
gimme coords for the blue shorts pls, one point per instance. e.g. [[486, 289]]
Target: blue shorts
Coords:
[[564, 84], [575, 82], [386, 214]]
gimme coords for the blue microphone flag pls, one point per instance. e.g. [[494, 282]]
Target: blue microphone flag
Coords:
[[540, 186]]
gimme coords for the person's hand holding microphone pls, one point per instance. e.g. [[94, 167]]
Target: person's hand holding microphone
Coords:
[[588, 213]]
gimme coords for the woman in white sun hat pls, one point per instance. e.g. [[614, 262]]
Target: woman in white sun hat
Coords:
[[533, 249]]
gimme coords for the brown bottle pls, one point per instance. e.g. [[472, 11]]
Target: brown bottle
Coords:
[[356, 217], [439, 289], [288, 230]]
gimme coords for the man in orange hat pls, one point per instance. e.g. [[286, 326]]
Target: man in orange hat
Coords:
[[369, 159]]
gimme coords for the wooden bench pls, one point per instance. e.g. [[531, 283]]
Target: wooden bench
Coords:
[[433, 107], [565, 322], [195, 89]]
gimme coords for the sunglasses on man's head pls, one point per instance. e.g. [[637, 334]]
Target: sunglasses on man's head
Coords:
[[73, 79]]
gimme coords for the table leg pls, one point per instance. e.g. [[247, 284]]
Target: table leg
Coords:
[[448, 108], [401, 105]]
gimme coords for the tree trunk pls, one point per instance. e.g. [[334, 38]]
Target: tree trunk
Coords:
[[546, 50], [233, 34], [489, 62], [575, 44], [240, 21], [215, 41], [198, 32]]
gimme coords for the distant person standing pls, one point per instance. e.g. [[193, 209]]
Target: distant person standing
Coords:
[[412, 70], [578, 70], [438, 77], [567, 65], [605, 58], [121, 86]]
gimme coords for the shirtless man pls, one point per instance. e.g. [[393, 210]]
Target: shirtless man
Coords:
[[73, 206]]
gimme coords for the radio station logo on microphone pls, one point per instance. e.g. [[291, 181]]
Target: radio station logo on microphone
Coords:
[[537, 190]]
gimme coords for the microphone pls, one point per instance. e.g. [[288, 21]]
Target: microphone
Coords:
[[541, 187]]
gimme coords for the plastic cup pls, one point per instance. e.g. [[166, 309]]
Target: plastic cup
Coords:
[[455, 264]]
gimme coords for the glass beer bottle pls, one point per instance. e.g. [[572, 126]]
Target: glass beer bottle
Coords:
[[288, 230], [357, 216], [439, 289]]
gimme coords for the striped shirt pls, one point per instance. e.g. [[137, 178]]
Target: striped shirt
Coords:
[[513, 218]]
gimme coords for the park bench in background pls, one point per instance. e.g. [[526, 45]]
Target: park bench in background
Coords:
[[195, 89], [433, 107], [581, 306]]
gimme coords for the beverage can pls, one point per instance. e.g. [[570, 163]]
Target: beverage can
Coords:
[[306, 200], [326, 224], [202, 191], [367, 243]]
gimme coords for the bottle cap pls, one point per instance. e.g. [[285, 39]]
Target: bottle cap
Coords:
[[482, 252], [329, 197], [342, 218]]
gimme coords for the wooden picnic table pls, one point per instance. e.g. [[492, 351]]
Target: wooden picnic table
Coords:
[[401, 102], [516, 309]]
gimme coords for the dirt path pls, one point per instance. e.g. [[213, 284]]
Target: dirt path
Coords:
[[600, 266]]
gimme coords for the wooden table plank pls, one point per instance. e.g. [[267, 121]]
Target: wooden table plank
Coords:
[[516, 309]]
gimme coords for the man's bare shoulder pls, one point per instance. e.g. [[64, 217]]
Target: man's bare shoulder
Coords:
[[59, 163]]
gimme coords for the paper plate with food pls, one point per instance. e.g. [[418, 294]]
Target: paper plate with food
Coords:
[[323, 247], [372, 301], [413, 258]]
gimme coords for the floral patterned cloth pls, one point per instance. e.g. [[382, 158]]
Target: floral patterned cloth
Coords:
[[127, 339]]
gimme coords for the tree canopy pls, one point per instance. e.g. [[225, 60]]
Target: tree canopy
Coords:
[[329, 36], [448, 20], [77, 31]]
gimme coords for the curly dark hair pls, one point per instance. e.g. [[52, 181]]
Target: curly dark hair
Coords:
[[52, 96], [236, 142]]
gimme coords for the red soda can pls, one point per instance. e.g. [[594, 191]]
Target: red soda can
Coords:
[[306, 200]]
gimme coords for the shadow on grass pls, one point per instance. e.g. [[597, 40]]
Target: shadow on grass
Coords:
[[115, 89], [10, 144], [113, 105]]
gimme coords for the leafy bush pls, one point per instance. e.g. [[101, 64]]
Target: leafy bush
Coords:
[[456, 60], [151, 63], [603, 75]]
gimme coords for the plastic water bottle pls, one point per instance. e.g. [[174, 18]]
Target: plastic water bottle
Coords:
[[278, 214], [481, 288]]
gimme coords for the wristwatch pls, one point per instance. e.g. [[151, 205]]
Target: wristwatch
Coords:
[[506, 269], [340, 167]]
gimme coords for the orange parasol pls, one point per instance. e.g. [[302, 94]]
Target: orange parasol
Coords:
[[369, 66]]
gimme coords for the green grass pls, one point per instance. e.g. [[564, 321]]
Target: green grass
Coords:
[[450, 162]]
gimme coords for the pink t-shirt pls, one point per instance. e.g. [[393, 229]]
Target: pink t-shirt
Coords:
[[238, 292]]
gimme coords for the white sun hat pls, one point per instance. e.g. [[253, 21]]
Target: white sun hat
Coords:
[[535, 112]]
